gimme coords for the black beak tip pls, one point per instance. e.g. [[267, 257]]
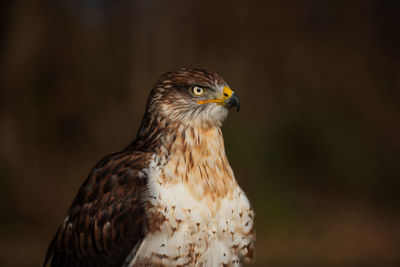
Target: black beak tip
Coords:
[[235, 101]]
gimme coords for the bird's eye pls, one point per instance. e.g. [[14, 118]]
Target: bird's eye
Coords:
[[199, 91]]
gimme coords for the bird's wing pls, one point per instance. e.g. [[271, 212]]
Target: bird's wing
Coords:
[[106, 220]]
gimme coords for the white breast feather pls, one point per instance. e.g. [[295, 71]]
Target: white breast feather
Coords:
[[195, 231]]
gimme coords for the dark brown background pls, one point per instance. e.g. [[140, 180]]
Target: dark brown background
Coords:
[[316, 145]]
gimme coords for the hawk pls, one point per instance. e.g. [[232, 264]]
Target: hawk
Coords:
[[169, 198]]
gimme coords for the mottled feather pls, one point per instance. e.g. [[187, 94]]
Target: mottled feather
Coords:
[[106, 219], [170, 197]]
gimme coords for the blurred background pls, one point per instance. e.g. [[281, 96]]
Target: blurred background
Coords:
[[316, 144]]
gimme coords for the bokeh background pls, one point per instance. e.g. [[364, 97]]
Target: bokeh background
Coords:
[[316, 144]]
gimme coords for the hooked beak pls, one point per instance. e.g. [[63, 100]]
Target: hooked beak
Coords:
[[233, 101], [229, 98]]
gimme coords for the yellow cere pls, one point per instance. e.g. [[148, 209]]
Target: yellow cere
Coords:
[[227, 92]]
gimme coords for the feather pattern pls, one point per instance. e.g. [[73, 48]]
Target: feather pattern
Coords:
[[170, 197], [106, 219]]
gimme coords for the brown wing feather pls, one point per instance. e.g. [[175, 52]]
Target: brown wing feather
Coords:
[[106, 220]]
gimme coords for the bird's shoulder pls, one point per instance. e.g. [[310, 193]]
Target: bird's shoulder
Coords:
[[106, 219]]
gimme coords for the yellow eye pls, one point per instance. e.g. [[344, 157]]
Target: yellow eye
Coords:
[[199, 91]]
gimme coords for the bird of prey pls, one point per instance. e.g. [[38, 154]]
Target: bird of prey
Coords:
[[169, 198]]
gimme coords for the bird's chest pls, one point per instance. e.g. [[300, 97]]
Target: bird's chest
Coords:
[[197, 213], [184, 230]]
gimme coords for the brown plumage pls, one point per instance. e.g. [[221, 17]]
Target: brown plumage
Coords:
[[106, 219], [119, 206]]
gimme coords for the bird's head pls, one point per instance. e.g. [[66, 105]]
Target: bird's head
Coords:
[[193, 97]]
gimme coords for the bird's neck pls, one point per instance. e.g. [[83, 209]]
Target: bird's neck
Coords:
[[195, 157]]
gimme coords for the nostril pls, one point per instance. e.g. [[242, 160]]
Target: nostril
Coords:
[[225, 94]]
